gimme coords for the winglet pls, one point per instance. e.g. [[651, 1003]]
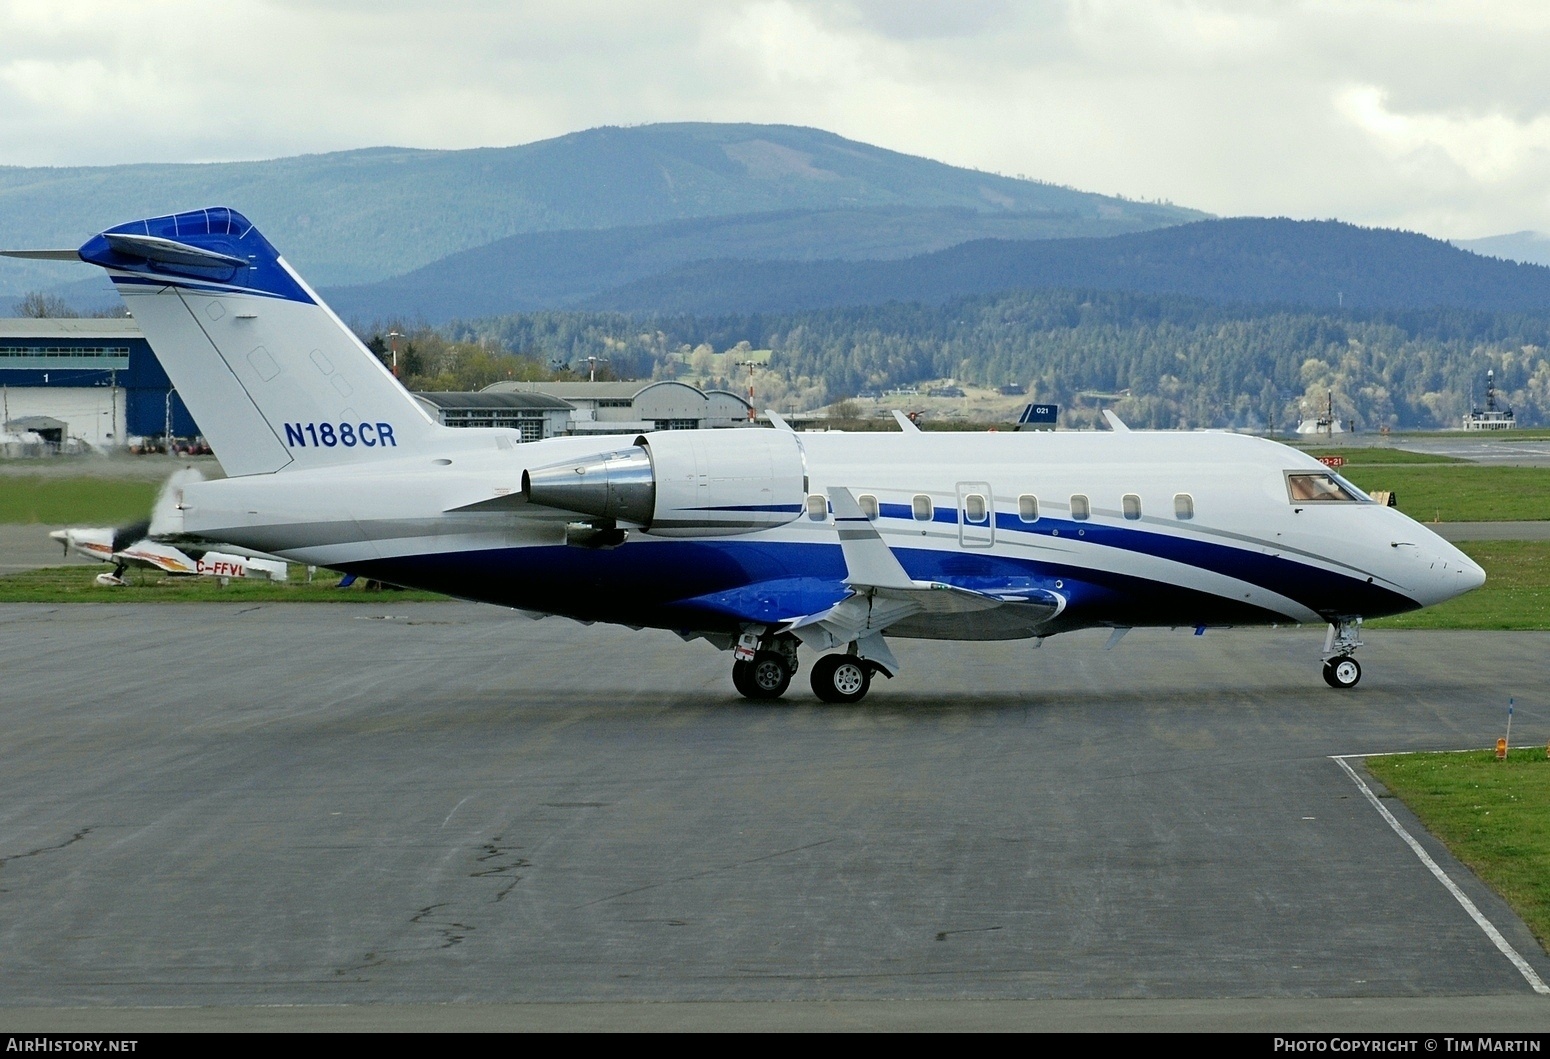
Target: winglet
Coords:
[[1115, 422], [868, 559], [779, 422], [906, 424]]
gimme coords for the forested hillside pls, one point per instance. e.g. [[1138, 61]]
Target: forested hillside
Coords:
[[1183, 361], [1324, 264], [550, 270]]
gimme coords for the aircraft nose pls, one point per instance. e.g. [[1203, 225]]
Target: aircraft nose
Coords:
[[1455, 573], [1470, 574]]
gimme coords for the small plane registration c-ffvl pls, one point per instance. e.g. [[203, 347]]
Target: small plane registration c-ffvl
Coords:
[[151, 545], [763, 541]]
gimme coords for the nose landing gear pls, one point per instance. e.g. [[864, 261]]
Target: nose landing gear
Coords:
[[1340, 669], [1342, 672]]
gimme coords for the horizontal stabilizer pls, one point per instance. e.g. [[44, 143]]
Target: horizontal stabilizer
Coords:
[[43, 255], [168, 251]]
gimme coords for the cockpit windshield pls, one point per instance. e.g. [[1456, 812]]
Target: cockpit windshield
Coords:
[[1322, 487]]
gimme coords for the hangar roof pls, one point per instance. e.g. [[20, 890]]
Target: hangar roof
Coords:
[[486, 399], [119, 327]]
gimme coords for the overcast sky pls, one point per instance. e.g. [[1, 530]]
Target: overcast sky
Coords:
[[1432, 115]]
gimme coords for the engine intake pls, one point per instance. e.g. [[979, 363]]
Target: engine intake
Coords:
[[683, 483]]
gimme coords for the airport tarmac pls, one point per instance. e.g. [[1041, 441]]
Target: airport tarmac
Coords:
[[442, 816]]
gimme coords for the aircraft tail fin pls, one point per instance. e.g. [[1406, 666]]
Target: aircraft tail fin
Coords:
[[274, 378], [1038, 417]]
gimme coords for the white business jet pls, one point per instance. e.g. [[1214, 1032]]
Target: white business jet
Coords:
[[762, 541]]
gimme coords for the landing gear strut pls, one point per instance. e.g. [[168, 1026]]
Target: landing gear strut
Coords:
[[1340, 669]]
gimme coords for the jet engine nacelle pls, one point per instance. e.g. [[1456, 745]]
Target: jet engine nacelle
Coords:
[[683, 483]]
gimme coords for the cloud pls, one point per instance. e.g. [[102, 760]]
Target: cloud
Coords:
[[1429, 114]]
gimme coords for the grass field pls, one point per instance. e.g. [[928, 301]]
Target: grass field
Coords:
[[75, 501], [1492, 815], [1461, 492]]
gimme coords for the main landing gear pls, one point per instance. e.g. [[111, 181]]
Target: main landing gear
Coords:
[[766, 676], [763, 669], [1340, 669], [841, 678]]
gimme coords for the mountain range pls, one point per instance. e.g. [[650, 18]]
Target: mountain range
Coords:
[[356, 217], [1320, 264], [715, 219], [1531, 248]]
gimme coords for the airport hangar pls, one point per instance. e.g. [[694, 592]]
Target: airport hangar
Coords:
[[96, 382], [95, 378]]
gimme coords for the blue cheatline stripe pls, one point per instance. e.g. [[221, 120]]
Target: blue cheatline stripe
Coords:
[[777, 508], [660, 583], [1280, 575]]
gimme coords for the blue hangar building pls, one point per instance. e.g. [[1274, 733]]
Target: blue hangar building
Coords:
[[85, 381]]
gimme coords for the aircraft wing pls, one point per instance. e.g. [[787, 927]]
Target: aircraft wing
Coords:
[[883, 597], [157, 556]]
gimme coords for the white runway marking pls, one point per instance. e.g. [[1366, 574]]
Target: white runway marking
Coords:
[[455, 808], [1483, 923]]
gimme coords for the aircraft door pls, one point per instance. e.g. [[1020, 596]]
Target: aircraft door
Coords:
[[976, 515]]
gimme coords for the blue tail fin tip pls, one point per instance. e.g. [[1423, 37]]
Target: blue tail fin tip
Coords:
[[220, 231]]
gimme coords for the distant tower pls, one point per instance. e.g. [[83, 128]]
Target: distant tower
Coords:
[[1493, 417]]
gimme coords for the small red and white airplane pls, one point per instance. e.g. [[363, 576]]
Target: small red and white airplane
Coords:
[[145, 544]]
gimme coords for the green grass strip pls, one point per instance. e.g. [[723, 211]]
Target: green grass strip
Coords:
[[1492, 815], [1462, 492], [75, 501], [77, 584]]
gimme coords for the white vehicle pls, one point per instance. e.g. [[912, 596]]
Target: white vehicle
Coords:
[[759, 540]]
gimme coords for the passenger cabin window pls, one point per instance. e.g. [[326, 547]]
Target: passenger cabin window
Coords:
[[1315, 488], [1132, 506], [1183, 506], [974, 508], [921, 506], [1028, 508], [868, 505], [1081, 510], [817, 507]]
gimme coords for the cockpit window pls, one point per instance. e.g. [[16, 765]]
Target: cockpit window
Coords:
[[1322, 487]]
